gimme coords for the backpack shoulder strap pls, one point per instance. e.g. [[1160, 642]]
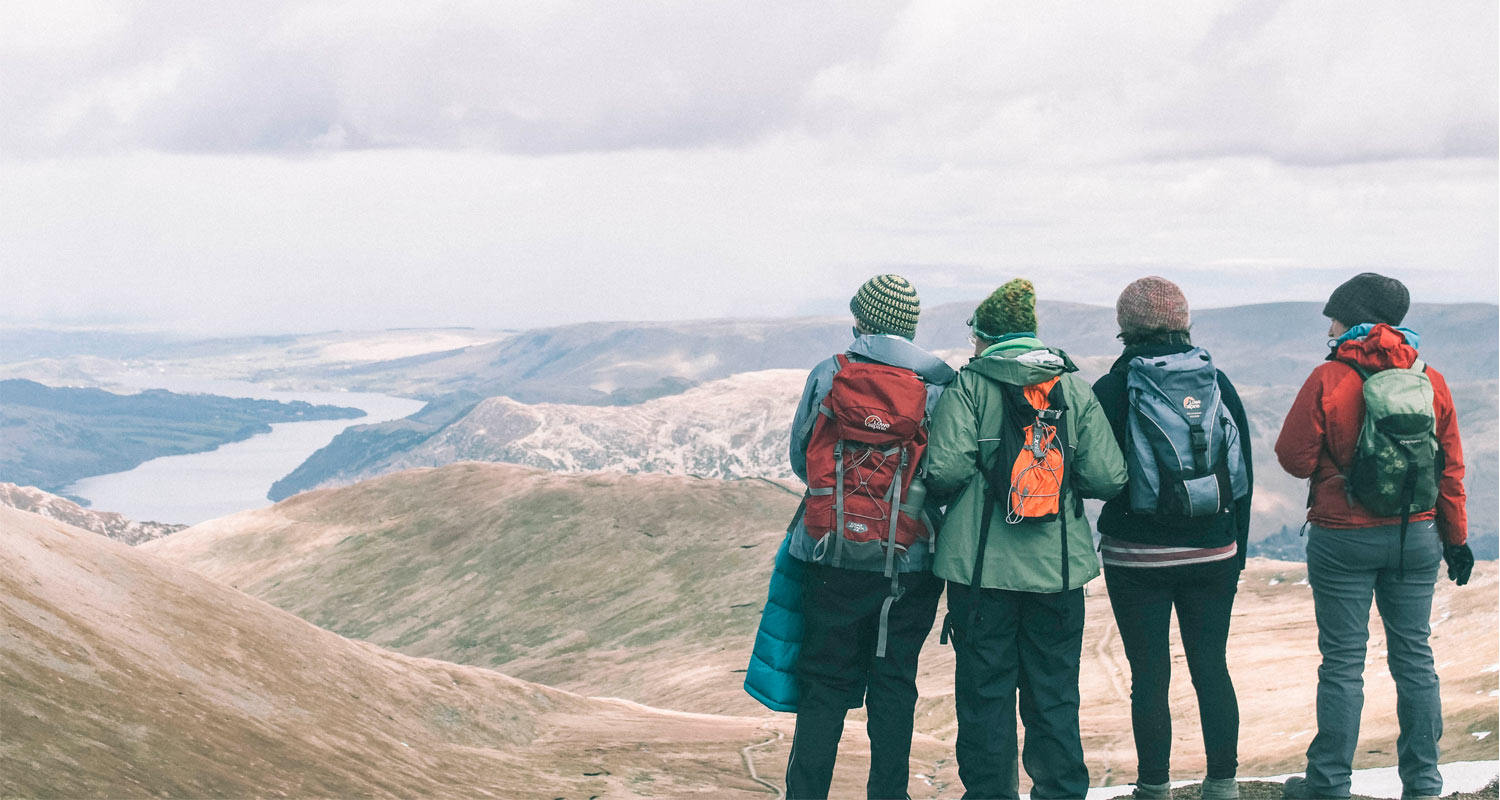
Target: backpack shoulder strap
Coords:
[[1364, 374]]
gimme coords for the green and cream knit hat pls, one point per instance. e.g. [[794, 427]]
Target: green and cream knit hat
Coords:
[[887, 304], [1009, 309]]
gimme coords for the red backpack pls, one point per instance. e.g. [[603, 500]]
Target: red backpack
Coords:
[[862, 454]]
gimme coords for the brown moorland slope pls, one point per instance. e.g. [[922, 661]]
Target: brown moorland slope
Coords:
[[649, 587], [123, 675], [637, 586]]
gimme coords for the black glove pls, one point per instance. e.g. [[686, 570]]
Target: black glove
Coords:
[[1460, 562]]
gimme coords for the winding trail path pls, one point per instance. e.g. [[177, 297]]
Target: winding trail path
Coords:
[[750, 765]]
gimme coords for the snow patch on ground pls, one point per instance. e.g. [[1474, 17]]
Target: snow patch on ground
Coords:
[[1459, 776]]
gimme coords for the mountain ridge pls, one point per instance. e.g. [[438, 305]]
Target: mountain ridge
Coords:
[[128, 676], [106, 523]]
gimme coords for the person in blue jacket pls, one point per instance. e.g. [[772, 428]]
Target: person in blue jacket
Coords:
[[815, 652]]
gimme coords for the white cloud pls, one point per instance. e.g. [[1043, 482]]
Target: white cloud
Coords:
[[514, 77], [357, 164]]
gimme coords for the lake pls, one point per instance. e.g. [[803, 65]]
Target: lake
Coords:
[[201, 486]]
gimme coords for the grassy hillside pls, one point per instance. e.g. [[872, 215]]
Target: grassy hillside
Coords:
[[561, 579], [649, 587], [126, 676]]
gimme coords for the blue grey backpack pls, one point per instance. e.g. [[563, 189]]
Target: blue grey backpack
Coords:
[[1182, 447]]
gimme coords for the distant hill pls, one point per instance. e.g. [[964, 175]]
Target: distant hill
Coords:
[[740, 427], [626, 362], [127, 676], [56, 435], [735, 427], [649, 587], [106, 523]]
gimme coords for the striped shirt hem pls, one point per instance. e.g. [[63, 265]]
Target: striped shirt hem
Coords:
[[1122, 553]]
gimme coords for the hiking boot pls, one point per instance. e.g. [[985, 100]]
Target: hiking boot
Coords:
[[1296, 788], [1221, 789], [1152, 791]]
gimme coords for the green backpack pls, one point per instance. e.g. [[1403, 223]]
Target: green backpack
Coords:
[[1395, 467]]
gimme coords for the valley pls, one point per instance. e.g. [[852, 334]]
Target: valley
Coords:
[[501, 566], [546, 581]]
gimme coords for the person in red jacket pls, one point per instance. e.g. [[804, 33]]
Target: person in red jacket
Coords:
[[1353, 554]]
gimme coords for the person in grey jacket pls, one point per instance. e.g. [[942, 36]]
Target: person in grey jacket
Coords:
[[846, 608]]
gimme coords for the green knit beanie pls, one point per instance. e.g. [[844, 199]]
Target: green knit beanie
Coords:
[[1009, 309], [887, 304]]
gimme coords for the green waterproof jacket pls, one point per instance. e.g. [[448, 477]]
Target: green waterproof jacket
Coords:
[[966, 427]]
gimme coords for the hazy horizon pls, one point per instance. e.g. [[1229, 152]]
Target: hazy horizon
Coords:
[[835, 308]]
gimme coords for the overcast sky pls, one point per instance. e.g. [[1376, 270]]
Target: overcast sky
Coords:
[[236, 167]]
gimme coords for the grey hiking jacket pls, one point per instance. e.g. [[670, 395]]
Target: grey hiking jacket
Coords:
[[885, 349]]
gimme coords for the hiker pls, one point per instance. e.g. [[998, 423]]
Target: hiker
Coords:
[[861, 545], [1176, 536], [1375, 431], [1017, 442]]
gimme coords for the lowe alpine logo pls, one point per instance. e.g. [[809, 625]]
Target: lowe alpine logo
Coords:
[[1191, 403], [876, 423], [857, 527]]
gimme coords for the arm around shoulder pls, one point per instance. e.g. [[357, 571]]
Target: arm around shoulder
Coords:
[[807, 414], [1098, 465], [953, 440], [1302, 433]]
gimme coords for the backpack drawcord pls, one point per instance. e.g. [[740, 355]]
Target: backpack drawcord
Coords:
[[1042, 437]]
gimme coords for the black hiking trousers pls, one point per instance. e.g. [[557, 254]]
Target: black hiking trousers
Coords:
[[837, 670], [1143, 599], [1028, 643]]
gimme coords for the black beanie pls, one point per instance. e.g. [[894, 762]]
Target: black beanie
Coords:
[[1368, 297]]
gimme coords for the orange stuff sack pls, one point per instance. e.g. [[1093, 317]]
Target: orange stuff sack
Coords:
[[1036, 475]]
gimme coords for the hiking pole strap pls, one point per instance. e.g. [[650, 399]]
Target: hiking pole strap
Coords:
[[894, 496], [885, 615], [801, 509], [976, 585], [1064, 441], [1062, 525], [1408, 491], [838, 502]]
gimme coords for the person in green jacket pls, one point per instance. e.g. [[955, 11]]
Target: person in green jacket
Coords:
[[1015, 589]]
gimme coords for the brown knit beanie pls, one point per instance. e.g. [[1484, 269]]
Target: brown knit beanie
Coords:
[[1368, 297], [1152, 304], [1009, 309], [887, 304]]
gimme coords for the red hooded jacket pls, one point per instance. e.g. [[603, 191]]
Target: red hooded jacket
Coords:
[[1317, 440]]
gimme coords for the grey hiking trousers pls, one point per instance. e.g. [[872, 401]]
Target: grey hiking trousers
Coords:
[[1345, 567]]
